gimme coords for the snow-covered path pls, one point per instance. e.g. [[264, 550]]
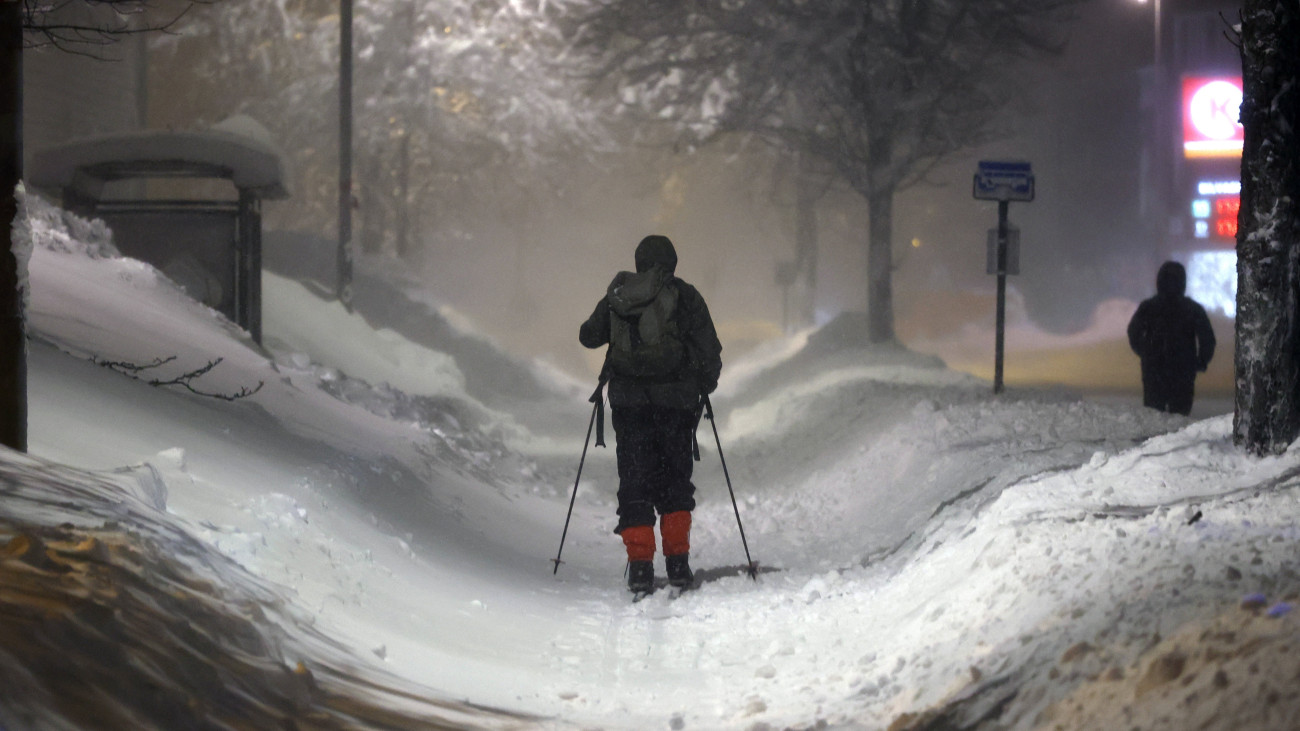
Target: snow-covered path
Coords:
[[922, 542]]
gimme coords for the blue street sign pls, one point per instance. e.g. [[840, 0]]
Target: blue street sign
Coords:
[[1004, 181]]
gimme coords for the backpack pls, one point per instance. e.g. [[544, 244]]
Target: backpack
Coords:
[[644, 339]]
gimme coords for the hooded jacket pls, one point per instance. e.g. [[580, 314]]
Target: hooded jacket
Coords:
[[1170, 332], [699, 372]]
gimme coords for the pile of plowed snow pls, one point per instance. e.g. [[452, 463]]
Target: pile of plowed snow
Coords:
[[931, 555]]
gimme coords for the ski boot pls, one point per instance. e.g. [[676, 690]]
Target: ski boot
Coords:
[[679, 571], [641, 577]]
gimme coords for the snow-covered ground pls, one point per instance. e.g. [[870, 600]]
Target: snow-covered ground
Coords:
[[931, 556]]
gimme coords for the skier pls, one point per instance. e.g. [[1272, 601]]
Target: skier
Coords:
[[1172, 336], [663, 359]]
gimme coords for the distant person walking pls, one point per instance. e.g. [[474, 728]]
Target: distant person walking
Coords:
[[663, 359], [1172, 335]]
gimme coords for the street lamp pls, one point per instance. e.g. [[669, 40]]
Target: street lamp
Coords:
[[1152, 194], [1156, 54]]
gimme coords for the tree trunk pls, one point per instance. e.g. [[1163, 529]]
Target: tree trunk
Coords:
[[880, 233], [880, 295], [1268, 235], [403, 213], [374, 211], [805, 236], [13, 339]]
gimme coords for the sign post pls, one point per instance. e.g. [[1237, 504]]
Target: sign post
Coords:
[[1003, 182]]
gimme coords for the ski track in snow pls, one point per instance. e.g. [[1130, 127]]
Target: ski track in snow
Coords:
[[921, 541]]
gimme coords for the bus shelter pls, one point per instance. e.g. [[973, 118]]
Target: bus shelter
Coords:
[[162, 193]]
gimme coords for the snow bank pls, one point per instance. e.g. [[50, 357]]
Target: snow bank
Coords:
[[389, 300], [120, 618], [302, 323], [41, 225], [1232, 671], [928, 552]]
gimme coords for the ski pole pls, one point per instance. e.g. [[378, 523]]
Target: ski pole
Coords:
[[596, 409], [708, 414]]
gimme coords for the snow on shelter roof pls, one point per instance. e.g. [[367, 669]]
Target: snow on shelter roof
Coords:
[[238, 148]]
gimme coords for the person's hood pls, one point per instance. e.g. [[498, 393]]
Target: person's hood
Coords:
[[1171, 280], [656, 250]]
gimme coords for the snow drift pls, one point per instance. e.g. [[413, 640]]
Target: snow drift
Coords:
[[933, 557]]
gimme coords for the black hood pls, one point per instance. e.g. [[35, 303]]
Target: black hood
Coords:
[[1171, 280], [656, 250]]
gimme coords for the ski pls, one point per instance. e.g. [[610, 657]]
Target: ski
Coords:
[[676, 591], [672, 592]]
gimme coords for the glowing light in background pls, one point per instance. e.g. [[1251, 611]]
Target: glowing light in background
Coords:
[[1219, 187], [1214, 210], [1211, 107], [1212, 281], [1225, 217]]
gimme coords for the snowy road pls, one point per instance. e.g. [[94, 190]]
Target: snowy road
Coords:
[[926, 547]]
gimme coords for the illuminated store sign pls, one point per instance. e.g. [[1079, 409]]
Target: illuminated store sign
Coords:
[[1218, 187], [1214, 210], [1211, 110]]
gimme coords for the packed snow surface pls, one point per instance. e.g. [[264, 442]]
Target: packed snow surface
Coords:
[[921, 543]]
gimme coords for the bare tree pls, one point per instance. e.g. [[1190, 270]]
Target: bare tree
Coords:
[[29, 23], [1268, 235], [144, 372], [453, 99], [881, 90], [91, 27]]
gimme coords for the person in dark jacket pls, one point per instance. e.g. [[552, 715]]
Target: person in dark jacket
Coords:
[[1172, 335], [663, 359]]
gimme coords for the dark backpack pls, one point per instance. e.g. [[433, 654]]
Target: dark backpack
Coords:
[[644, 339]]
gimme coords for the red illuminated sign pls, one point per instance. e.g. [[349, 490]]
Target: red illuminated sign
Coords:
[[1214, 206], [1223, 218], [1211, 110], [1227, 207], [1225, 228]]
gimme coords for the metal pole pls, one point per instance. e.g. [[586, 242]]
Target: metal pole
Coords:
[[13, 337], [1158, 50], [344, 290], [1002, 296], [1162, 170]]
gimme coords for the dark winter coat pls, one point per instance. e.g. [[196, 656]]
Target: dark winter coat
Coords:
[[698, 375], [1170, 332]]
